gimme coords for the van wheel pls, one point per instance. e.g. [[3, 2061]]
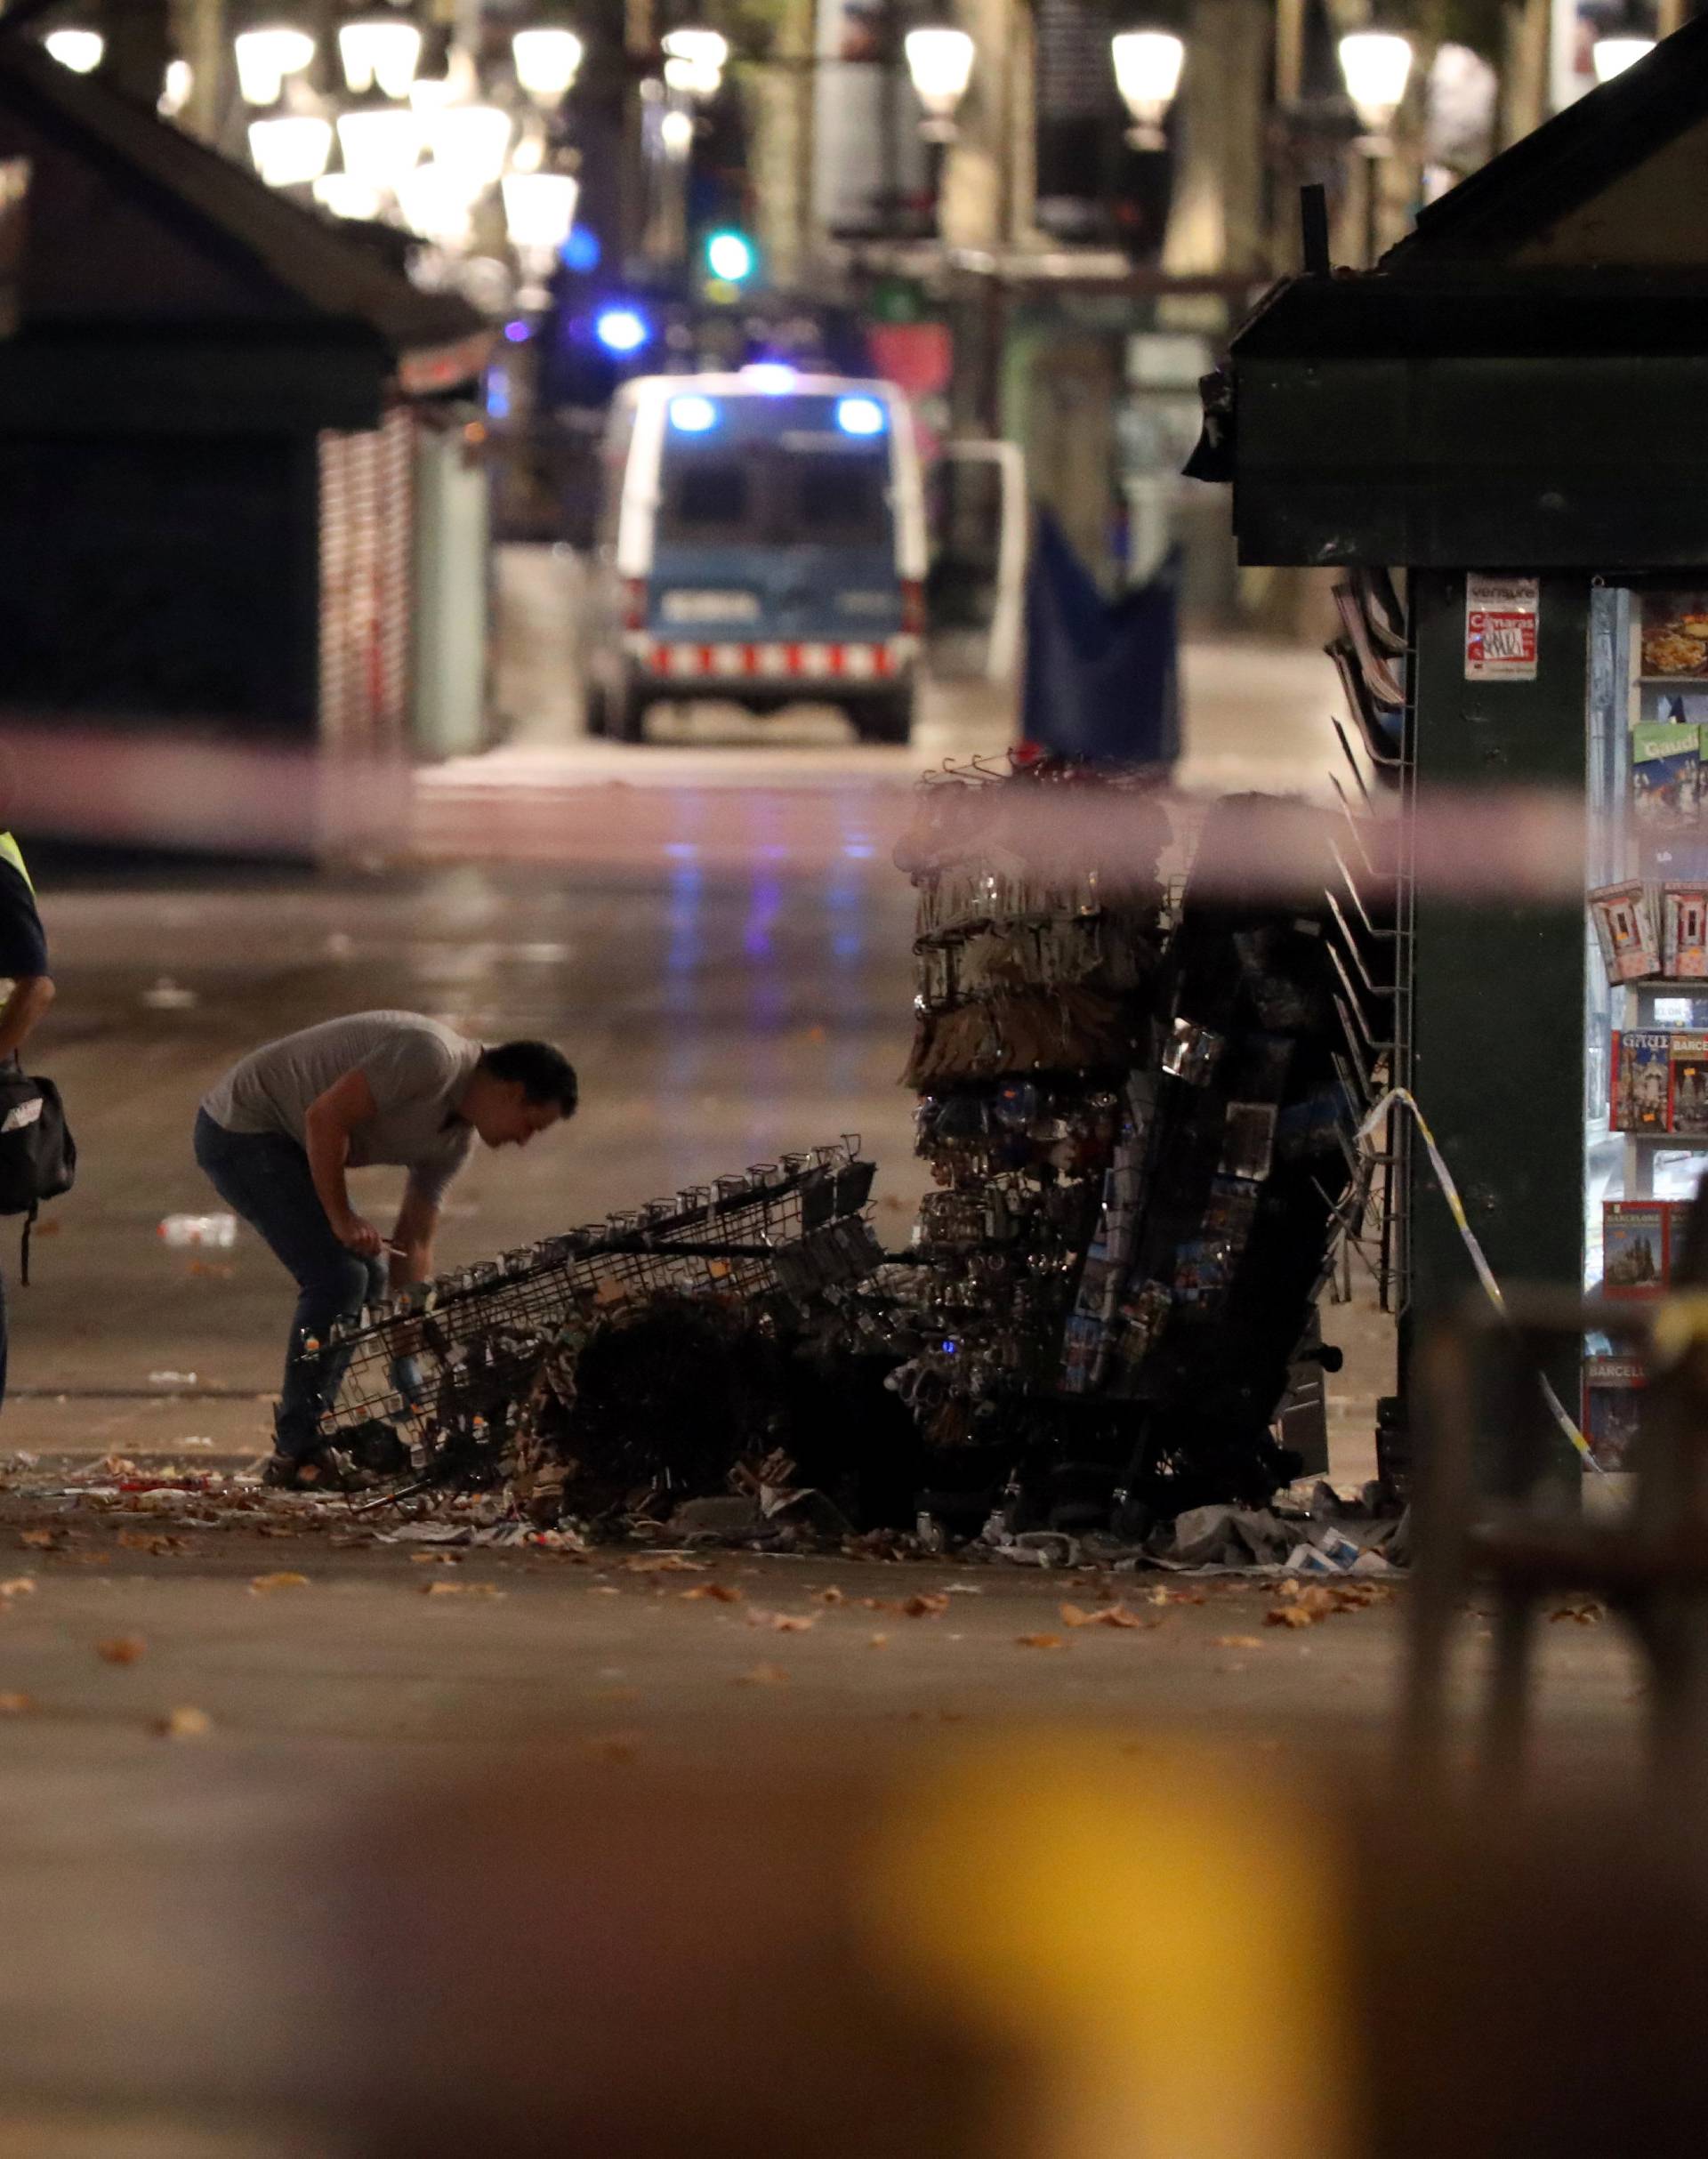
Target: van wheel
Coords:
[[888, 718], [626, 716]]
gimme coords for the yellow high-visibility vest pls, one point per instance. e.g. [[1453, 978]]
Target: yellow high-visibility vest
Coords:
[[10, 851]]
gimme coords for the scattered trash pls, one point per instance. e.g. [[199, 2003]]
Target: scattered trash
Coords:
[[1236, 1641], [41, 1540], [263, 1585], [19, 1585], [172, 1379], [717, 1593], [461, 1588], [1116, 1615], [196, 1442], [169, 996], [121, 1649], [183, 1723], [218, 1231], [664, 1563], [1040, 1641]]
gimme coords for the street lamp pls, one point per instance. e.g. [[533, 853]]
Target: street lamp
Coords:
[[380, 147], [539, 211], [265, 56], [1147, 73], [79, 50], [292, 149], [546, 61], [436, 204], [1375, 64], [174, 95], [1613, 56], [380, 49], [471, 142], [345, 196], [694, 62], [940, 63]]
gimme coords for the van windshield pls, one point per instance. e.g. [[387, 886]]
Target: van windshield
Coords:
[[774, 496]]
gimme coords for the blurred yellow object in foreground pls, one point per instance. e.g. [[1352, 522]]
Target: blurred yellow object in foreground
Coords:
[[1163, 1937]]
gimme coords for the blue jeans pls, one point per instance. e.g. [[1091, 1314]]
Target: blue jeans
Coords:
[[264, 1177]]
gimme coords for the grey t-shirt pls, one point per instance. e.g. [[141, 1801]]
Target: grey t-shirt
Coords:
[[416, 1068]]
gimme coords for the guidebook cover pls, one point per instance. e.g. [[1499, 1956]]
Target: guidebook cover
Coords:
[[1684, 932], [1688, 1093], [1665, 772], [1633, 1247], [1613, 1398], [1642, 1079], [1624, 928]]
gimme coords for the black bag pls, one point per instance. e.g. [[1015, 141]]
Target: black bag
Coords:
[[38, 1156]]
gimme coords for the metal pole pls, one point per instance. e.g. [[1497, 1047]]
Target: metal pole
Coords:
[[1371, 208]]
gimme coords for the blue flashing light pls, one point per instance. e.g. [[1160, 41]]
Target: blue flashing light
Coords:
[[517, 333], [859, 416], [621, 329], [729, 256], [693, 415], [772, 376], [581, 250]]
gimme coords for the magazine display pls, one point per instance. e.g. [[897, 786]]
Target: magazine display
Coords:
[[1675, 634], [1635, 1253], [1624, 928], [1641, 1069]]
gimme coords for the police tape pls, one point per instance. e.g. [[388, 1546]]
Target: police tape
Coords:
[[1402, 1098]]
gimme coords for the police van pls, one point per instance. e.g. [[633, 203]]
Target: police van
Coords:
[[761, 541]]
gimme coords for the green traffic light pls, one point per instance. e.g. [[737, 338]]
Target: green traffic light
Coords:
[[730, 255]]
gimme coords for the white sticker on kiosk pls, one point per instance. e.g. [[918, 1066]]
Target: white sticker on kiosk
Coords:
[[1500, 617]]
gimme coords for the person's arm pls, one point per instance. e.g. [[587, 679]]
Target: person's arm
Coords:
[[331, 1118], [32, 995], [412, 1240]]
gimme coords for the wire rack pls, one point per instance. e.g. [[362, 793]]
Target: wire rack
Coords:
[[457, 1357]]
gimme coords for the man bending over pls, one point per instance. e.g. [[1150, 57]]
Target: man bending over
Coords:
[[277, 1134]]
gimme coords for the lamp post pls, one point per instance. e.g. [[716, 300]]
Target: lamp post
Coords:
[[1375, 64], [1147, 73], [266, 56], [940, 62], [547, 61]]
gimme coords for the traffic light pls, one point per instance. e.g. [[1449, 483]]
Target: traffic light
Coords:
[[730, 256]]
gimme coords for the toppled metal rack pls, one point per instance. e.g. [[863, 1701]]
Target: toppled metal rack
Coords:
[[454, 1359]]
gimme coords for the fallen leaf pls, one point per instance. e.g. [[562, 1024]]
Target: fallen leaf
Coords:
[[1167, 1596], [41, 1540], [184, 1723], [1588, 1614], [1236, 1642], [665, 1563], [460, 1589], [925, 1606], [1105, 1616], [832, 1596], [16, 1705], [1291, 1615], [20, 1585], [606, 1589], [762, 1675], [782, 1622], [263, 1585], [716, 1592], [121, 1649], [878, 1641], [435, 1559], [1040, 1641], [150, 1540]]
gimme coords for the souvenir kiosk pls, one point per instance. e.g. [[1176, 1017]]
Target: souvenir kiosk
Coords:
[[1511, 409]]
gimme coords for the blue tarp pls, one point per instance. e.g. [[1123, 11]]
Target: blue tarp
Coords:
[[1102, 677]]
